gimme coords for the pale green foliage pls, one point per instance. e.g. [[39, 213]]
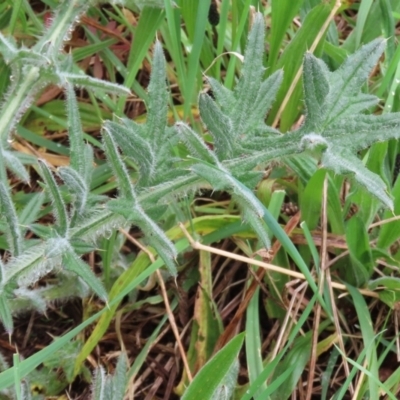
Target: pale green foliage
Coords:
[[335, 128], [110, 387]]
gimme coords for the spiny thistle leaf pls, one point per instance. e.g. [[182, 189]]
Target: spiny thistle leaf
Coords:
[[346, 82], [100, 223], [98, 385], [119, 379], [149, 144], [14, 235], [77, 152], [31, 264], [155, 236], [97, 85], [63, 20], [236, 120], [76, 185], [219, 126], [195, 144], [59, 209], [334, 102], [248, 86], [73, 263], [5, 311], [158, 96], [125, 185], [14, 164], [344, 162], [135, 145]]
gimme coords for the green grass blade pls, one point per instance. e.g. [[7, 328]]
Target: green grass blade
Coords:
[[149, 22], [210, 377], [194, 56], [253, 340], [363, 11], [282, 14], [369, 339]]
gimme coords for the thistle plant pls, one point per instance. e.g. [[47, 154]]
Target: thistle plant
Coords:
[[336, 127]]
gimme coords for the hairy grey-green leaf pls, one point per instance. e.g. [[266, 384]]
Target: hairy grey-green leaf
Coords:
[[222, 94], [75, 133], [73, 263], [219, 126], [14, 236], [254, 220], [346, 82], [98, 385], [119, 379], [59, 209], [34, 297], [344, 162], [76, 185], [316, 89], [135, 146], [125, 185], [157, 106], [63, 21], [88, 82], [361, 131], [100, 223], [196, 145], [14, 164], [5, 310], [155, 236], [247, 88], [216, 177], [89, 166], [265, 97], [8, 48], [31, 263]]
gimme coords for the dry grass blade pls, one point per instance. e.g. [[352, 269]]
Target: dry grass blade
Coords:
[[231, 328]]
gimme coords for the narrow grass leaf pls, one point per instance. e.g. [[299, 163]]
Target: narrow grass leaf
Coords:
[[362, 15], [253, 340], [369, 339], [282, 14], [360, 253], [17, 377], [295, 360], [149, 21], [210, 377], [194, 56]]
